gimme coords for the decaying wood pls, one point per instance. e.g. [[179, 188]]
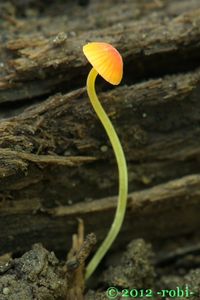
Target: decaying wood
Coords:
[[164, 142], [142, 42], [56, 163], [173, 205]]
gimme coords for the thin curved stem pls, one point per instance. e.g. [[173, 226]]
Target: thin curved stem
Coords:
[[123, 175]]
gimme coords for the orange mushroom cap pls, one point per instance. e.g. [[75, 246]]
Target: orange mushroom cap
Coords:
[[106, 60]]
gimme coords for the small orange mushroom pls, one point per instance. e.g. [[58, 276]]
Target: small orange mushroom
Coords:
[[107, 62]]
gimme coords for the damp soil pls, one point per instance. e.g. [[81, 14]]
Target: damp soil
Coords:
[[138, 272]]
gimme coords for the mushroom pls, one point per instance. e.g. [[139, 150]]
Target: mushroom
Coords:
[[107, 62]]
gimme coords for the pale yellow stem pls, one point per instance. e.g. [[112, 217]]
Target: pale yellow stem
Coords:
[[123, 175]]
